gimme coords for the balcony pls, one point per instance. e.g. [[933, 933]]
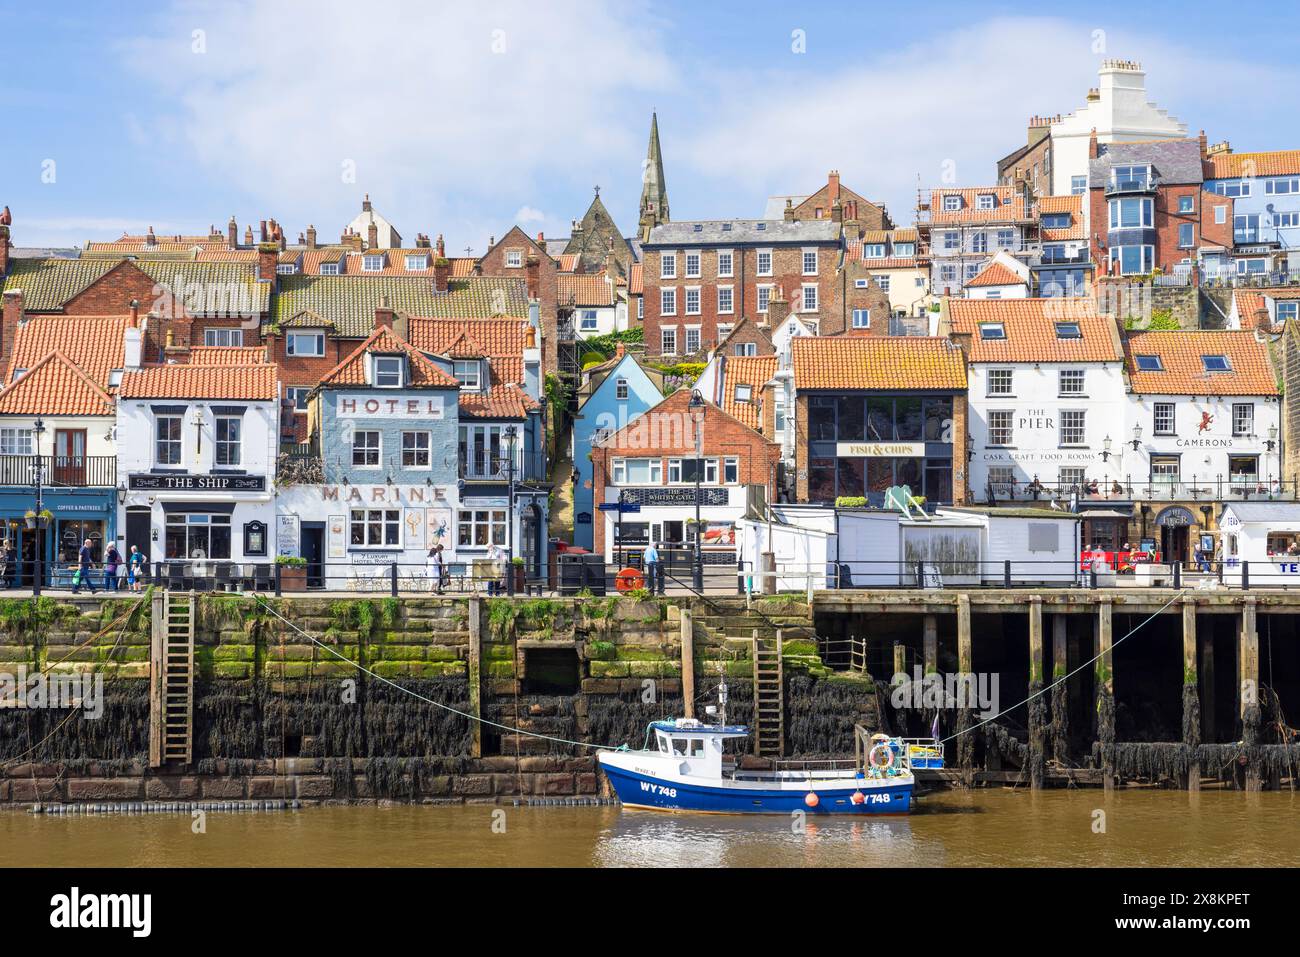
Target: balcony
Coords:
[[66, 471], [1237, 489], [487, 466], [1132, 185]]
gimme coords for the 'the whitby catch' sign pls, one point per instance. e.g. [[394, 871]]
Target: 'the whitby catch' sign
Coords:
[[197, 483], [348, 406]]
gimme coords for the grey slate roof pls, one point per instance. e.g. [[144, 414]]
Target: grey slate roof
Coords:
[[1266, 511], [750, 231], [1175, 161]]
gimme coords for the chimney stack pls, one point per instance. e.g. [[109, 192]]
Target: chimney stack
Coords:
[[311, 237], [262, 232], [383, 314], [248, 235], [777, 308], [788, 213], [441, 273], [833, 185], [532, 270], [12, 319], [133, 339], [268, 257], [541, 240], [1092, 144], [232, 232], [837, 211], [372, 235], [4, 250], [365, 203], [150, 239], [441, 249], [1205, 145]]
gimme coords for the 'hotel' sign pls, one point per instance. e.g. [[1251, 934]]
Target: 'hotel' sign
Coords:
[[857, 450], [353, 405]]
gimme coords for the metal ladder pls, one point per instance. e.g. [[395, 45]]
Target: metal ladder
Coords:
[[171, 733], [769, 697]]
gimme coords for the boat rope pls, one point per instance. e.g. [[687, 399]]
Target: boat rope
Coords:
[[1067, 677], [437, 704]]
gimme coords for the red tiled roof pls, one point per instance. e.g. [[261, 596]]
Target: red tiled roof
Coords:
[[1064, 204], [502, 341], [969, 212], [505, 337], [1250, 303], [995, 274], [568, 262], [636, 279], [1030, 326], [249, 382], [1184, 373], [1273, 163], [95, 344], [54, 386], [499, 402], [753, 371], [424, 374], [584, 289], [227, 355], [897, 363]]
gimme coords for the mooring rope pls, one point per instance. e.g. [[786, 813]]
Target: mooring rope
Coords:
[[1067, 677], [437, 704]]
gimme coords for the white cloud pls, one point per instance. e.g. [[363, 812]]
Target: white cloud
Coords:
[[527, 214], [442, 109]]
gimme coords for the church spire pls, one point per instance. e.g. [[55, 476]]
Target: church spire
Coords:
[[654, 191]]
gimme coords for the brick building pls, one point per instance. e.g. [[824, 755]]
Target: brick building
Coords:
[[1148, 209], [652, 462], [833, 201], [701, 278]]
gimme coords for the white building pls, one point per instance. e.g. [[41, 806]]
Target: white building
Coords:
[[1204, 410], [1046, 397], [196, 462], [1119, 111], [1005, 277]]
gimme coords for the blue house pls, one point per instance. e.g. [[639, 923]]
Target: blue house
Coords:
[[384, 423], [612, 395], [1265, 188]]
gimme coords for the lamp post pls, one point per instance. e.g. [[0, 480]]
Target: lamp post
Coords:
[[512, 436], [696, 409], [1137, 438], [1105, 449], [38, 551]]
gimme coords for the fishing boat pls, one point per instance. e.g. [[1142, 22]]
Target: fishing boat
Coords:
[[687, 770]]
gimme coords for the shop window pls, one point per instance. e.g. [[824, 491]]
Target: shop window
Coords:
[[197, 535], [71, 533], [475, 528], [375, 528]]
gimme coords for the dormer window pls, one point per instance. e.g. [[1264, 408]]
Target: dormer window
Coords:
[[744, 392], [329, 269], [873, 251], [468, 373], [286, 270], [986, 201], [951, 203], [417, 263], [905, 249], [514, 258], [388, 372], [304, 344], [372, 262]]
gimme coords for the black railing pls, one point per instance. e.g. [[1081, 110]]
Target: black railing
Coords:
[[71, 471], [487, 466], [1245, 489]]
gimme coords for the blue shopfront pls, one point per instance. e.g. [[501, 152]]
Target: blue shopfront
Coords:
[[76, 514]]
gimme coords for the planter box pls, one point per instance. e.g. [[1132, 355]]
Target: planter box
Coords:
[[293, 578]]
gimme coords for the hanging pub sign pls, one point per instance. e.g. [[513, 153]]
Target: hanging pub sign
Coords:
[[197, 483], [683, 495]]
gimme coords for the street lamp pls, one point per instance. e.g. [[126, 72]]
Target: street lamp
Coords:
[[696, 408], [1271, 441], [37, 468], [1105, 449], [1137, 437], [512, 435]]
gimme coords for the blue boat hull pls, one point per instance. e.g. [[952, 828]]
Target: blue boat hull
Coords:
[[636, 790]]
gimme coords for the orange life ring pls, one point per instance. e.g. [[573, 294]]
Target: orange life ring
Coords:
[[629, 579]]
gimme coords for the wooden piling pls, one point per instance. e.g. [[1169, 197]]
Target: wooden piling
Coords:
[[930, 643], [965, 665], [964, 655], [1191, 724], [1206, 675], [1248, 686], [1106, 692], [900, 658], [1060, 693], [475, 676], [687, 638], [1037, 705]]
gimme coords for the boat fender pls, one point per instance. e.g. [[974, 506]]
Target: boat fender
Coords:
[[858, 797], [811, 799], [888, 757]]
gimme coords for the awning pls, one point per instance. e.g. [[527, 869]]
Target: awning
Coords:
[[1103, 513]]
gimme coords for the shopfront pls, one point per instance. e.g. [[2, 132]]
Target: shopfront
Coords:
[[1261, 539], [77, 515]]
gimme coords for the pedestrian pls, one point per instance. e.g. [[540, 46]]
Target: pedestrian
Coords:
[[134, 568], [85, 559], [112, 558], [650, 558], [496, 573], [437, 568]]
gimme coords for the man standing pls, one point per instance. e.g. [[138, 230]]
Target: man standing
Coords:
[[84, 560], [650, 557]]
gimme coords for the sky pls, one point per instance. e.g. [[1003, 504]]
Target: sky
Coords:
[[467, 118]]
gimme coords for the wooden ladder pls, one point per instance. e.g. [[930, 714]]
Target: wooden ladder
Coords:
[[769, 697], [171, 730]]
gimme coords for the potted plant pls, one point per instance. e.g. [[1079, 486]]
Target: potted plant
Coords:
[[30, 518], [520, 574], [44, 518], [293, 572]]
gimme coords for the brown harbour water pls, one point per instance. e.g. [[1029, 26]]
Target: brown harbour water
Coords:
[[998, 828]]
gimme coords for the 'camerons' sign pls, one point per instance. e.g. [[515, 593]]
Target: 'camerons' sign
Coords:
[[198, 483]]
